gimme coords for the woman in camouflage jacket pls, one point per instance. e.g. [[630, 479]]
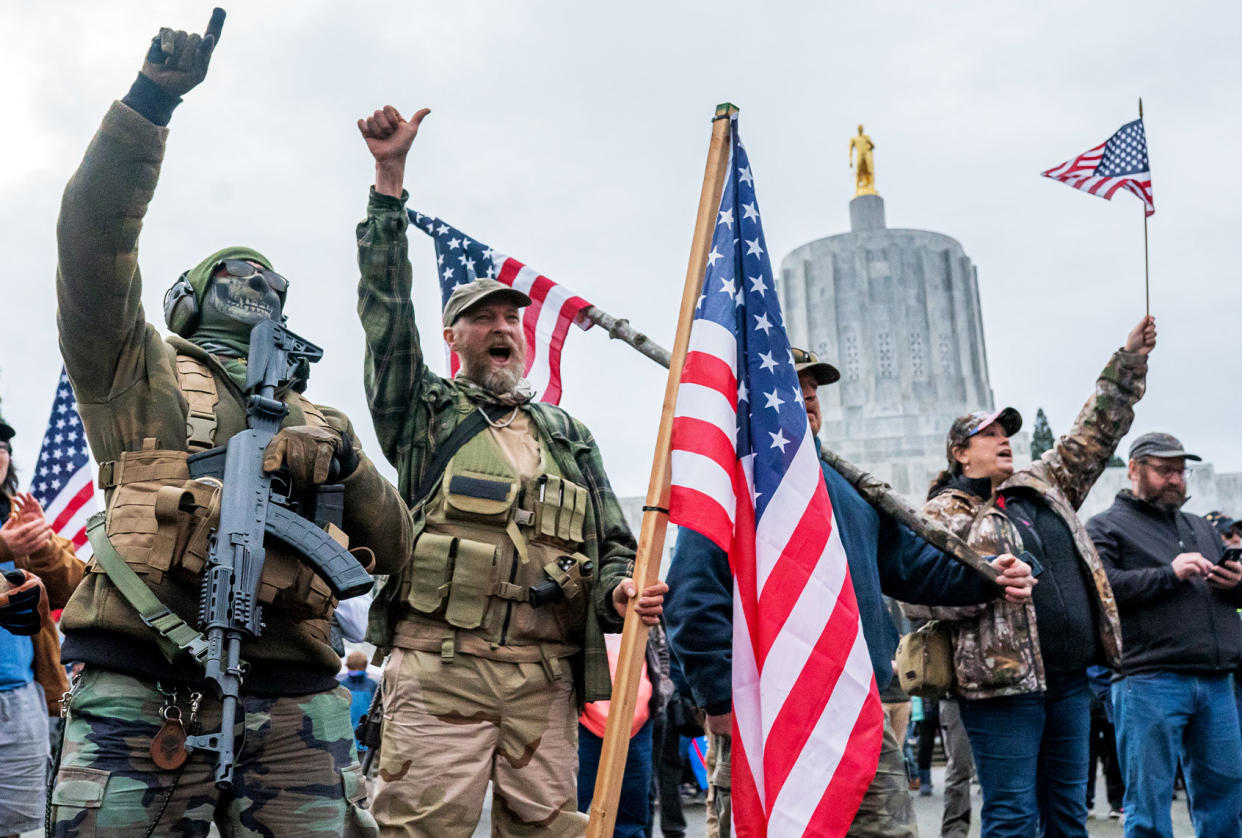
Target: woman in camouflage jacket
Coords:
[[1020, 670]]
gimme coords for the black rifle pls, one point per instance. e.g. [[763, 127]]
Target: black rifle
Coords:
[[368, 733], [252, 505]]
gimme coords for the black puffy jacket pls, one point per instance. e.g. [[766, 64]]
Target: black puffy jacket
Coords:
[[1166, 623]]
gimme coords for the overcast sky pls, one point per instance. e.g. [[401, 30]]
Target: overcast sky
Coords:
[[573, 135]]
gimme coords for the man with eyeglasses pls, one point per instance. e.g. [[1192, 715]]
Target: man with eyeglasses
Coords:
[[147, 404], [1177, 594]]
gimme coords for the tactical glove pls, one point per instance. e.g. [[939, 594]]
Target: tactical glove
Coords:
[[308, 453], [23, 607], [177, 61]]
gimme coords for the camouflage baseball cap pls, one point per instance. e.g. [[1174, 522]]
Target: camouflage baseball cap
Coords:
[[964, 427], [1156, 444], [472, 293], [823, 372]]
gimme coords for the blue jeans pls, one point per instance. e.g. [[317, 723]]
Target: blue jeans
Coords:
[[634, 807], [1162, 716], [1031, 757]]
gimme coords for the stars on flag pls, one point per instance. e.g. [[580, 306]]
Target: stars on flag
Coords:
[[1120, 162], [62, 483]]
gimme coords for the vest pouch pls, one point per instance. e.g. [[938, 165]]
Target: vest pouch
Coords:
[[186, 515], [308, 593], [430, 567], [471, 584], [567, 572], [131, 520], [560, 511], [573, 575], [206, 491], [474, 496]]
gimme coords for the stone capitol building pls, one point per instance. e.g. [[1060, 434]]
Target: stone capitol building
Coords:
[[897, 312]]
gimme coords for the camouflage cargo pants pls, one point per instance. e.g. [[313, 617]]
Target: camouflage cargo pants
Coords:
[[449, 728], [887, 810], [719, 786], [296, 770]]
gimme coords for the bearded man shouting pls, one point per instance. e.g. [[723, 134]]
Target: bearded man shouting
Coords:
[[494, 628]]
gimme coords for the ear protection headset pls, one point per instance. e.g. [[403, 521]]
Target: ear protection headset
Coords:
[[181, 311]]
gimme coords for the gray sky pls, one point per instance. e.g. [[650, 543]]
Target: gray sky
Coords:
[[573, 135]]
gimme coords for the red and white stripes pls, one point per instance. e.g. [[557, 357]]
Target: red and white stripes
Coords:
[[546, 321]]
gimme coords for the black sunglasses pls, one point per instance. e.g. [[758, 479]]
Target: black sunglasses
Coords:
[[244, 270]]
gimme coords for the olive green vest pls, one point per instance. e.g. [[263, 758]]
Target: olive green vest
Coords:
[[497, 572], [160, 520]]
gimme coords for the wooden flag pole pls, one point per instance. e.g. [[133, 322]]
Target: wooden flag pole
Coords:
[[655, 512], [1146, 261]]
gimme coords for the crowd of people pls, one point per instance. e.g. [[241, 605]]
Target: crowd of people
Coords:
[[506, 565]]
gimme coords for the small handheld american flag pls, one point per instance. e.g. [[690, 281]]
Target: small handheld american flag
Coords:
[[62, 480], [1120, 162], [545, 321], [807, 719]]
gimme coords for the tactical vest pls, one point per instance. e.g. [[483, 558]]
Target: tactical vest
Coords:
[[497, 572], [159, 519]]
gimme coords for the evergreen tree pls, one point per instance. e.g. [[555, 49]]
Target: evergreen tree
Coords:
[[1041, 436]]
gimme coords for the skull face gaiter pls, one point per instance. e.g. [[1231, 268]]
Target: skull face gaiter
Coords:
[[231, 307]]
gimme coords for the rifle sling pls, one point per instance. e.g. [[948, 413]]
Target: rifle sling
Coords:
[[175, 634], [465, 431]]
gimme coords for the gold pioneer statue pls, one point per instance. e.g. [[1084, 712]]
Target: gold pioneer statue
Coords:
[[864, 172]]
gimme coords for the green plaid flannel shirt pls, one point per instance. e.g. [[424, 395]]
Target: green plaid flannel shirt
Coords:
[[414, 411]]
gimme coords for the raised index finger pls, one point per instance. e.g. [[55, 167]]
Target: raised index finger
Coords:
[[215, 25]]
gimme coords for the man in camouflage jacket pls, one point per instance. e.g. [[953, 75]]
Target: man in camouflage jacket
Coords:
[[141, 401], [479, 684]]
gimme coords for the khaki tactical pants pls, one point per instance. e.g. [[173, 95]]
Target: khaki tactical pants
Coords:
[[296, 770], [451, 727]]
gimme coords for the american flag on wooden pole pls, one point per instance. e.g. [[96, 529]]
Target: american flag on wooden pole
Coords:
[[62, 481], [546, 320], [807, 719], [1120, 162]]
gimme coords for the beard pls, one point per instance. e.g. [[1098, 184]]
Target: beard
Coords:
[[1169, 498], [501, 381]]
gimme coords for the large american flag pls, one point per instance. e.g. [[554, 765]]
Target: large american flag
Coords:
[[62, 480], [807, 720], [1120, 162], [546, 320]]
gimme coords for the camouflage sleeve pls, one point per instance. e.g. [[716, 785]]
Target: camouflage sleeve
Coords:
[[98, 286], [951, 511], [394, 371], [375, 515], [1080, 456], [994, 535]]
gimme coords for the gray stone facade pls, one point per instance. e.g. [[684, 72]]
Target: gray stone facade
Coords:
[[897, 311]]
